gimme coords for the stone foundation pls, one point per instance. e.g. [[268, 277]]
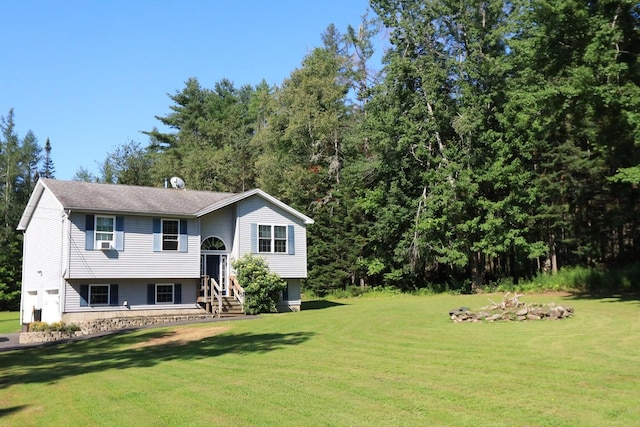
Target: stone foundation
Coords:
[[40, 337], [87, 316], [99, 326]]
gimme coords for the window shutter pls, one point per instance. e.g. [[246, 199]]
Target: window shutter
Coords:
[[84, 295], [151, 293], [113, 294], [89, 228], [184, 241], [157, 235], [119, 233], [254, 238], [177, 293], [291, 244]]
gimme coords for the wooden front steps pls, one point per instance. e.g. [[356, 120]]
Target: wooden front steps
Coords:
[[231, 307]]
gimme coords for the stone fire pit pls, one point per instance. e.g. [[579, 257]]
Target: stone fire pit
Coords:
[[511, 309]]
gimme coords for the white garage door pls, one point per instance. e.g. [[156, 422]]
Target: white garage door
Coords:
[[51, 306], [30, 302]]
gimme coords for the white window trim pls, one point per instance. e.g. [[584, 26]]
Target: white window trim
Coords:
[[216, 251], [173, 293], [111, 242], [90, 304], [273, 238]]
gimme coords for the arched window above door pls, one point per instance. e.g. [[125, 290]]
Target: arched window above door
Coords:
[[213, 244]]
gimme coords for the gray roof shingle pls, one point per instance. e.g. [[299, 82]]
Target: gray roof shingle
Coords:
[[78, 195]]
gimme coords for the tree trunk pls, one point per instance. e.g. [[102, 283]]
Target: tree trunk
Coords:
[[477, 276]]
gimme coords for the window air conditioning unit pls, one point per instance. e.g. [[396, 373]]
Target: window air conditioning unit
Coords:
[[105, 246]]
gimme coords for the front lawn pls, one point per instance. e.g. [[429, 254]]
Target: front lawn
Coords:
[[9, 322], [386, 361]]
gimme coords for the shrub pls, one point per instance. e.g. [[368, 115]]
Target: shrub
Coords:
[[39, 327], [67, 328], [263, 288]]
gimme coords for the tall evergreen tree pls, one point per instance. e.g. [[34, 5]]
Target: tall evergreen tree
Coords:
[[18, 165], [304, 154], [575, 101], [449, 191], [128, 164], [210, 145], [48, 169]]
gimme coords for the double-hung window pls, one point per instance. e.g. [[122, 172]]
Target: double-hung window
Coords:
[[272, 238], [105, 231], [170, 234], [164, 293], [98, 294]]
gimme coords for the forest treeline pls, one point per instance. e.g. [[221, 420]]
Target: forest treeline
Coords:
[[496, 141]]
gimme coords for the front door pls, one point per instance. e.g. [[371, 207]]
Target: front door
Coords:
[[215, 267]]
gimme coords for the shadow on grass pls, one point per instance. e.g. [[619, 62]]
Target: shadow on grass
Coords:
[[606, 297], [49, 364], [613, 284], [7, 411], [319, 304]]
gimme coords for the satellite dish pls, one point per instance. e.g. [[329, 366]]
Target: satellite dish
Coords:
[[177, 182]]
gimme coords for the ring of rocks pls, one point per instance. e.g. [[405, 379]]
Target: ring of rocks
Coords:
[[511, 309]]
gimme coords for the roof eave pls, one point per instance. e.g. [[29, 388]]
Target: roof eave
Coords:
[[134, 213], [241, 196], [31, 206]]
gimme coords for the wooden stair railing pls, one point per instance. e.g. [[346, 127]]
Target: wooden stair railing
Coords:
[[236, 290], [211, 294], [216, 295]]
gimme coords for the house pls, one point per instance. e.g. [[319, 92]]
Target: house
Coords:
[[94, 251]]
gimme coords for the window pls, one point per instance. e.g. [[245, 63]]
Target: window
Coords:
[[170, 233], [104, 232], [164, 294], [105, 227], [264, 238], [272, 238], [213, 244], [279, 239], [98, 294]]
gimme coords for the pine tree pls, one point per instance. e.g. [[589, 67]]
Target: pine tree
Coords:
[[574, 103], [48, 169], [18, 161]]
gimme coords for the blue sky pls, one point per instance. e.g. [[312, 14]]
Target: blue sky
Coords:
[[90, 75]]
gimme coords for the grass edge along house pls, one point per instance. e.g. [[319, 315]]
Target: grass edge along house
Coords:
[[95, 251]]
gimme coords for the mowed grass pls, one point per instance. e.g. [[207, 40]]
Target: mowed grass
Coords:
[[386, 361], [9, 322]]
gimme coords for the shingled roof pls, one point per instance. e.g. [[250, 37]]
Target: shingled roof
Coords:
[[87, 196], [130, 199]]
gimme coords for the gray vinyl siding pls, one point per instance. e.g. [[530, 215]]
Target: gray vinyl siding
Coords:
[[293, 300], [43, 250], [221, 224], [293, 290], [256, 210], [132, 291], [137, 259]]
